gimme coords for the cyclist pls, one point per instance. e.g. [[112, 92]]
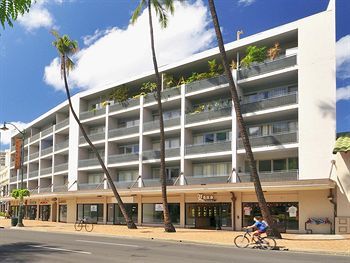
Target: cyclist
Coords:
[[260, 227]]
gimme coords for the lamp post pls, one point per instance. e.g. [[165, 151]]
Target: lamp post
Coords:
[[23, 133]]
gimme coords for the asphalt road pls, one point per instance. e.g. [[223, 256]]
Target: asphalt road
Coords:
[[31, 246]]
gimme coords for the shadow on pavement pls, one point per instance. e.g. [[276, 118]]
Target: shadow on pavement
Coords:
[[23, 252]]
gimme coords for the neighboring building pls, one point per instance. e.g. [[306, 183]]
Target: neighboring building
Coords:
[[4, 178], [289, 108], [341, 175]]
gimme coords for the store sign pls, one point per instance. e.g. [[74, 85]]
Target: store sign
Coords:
[[18, 153], [93, 208], [206, 198], [158, 207]]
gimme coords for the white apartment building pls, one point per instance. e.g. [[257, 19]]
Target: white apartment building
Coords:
[[288, 105], [4, 178]]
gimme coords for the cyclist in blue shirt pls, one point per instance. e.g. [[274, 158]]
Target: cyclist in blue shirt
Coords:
[[260, 227]]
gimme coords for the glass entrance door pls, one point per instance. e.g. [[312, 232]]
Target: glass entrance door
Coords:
[[63, 213], [44, 212]]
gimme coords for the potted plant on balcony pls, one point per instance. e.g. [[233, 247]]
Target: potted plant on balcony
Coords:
[[253, 54], [274, 51], [120, 95]]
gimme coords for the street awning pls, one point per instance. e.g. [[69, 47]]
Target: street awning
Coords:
[[342, 144]]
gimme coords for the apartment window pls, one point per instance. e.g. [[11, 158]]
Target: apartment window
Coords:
[[169, 143], [280, 127], [167, 115], [254, 131], [153, 213], [127, 176], [280, 165], [293, 163], [212, 137], [131, 148], [265, 166], [209, 138], [171, 172], [211, 169], [95, 178]]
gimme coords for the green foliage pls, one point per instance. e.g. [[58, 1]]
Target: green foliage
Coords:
[[3, 214], [254, 54], [214, 70], [148, 87], [168, 81], [10, 9], [120, 94], [20, 193]]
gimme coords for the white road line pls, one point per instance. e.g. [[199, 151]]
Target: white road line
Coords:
[[107, 243], [62, 249]]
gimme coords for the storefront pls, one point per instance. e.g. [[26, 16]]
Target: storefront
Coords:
[[30, 212], [115, 216], [92, 212], [44, 212], [153, 213], [62, 213], [284, 214], [208, 215]]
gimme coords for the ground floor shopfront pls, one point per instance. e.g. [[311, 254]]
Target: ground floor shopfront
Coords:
[[215, 208]]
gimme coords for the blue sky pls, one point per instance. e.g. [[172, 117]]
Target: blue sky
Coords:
[[29, 78]]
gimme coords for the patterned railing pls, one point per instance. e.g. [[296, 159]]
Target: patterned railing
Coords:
[[206, 83], [123, 131], [208, 148], [270, 177], [156, 182], [33, 174], [155, 154], [271, 140], [219, 179], [208, 115], [267, 66], [166, 94], [92, 113]]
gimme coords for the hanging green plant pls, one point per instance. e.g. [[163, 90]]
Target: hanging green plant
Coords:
[[254, 54]]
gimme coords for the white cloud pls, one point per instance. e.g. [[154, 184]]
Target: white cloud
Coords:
[[343, 57], [245, 2], [6, 135], [115, 54], [38, 16], [343, 93]]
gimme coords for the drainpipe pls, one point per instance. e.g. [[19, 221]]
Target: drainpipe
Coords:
[[233, 198]]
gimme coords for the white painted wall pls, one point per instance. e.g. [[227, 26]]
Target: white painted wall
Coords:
[[317, 94]]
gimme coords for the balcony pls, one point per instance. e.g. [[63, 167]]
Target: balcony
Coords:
[[203, 180], [46, 151], [153, 182], [123, 184], [61, 145], [46, 171], [271, 140], [93, 137], [25, 159], [60, 188], [125, 105], [206, 83], [92, 113], [45, 189], [123, 158], [35, 137], [154, 125], [155, 154], [270, 103], [270, 177], [88, 162], [123, 131], [166, 94], [33, 174], [208, 115], [13, 147], [13, 179], [61, 167], [46, 131], [33, 156], [62, 124], [86, 186], [209, 148], [267, 66]]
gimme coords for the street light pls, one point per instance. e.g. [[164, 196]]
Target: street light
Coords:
[[23, 133]]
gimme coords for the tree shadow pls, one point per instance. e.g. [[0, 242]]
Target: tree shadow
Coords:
[[23, 252], [327, 109]]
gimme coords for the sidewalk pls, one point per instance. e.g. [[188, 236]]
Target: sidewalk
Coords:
[[334, 244]]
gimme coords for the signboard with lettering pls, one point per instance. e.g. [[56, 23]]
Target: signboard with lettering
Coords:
[[206, 198], [93, 208], [18, 153], [158, 207]]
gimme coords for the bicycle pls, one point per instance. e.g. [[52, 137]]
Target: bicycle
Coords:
[[83, 222], [242, 241]]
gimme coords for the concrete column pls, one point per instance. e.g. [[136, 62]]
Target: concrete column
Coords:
[[141, 146], [105, 210], [139, 208], [182, 135], [182, 210], [105, 184]]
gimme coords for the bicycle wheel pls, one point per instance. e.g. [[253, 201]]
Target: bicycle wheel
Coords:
[[89, 227], [78, 226], [241, 241], [268, 243]]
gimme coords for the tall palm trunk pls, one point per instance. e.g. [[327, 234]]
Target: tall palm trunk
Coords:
[[128, 220], [241, 125], [168, 226]]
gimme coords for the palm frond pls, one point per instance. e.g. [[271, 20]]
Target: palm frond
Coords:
[[137, 11], [10, 9]]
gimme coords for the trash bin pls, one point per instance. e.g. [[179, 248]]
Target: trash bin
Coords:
[[14, 221]]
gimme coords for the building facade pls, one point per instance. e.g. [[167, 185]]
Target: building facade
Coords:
[[4, 178], [286, 102]]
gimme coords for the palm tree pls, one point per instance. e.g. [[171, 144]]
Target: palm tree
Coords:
[[67, 47], [241, 125], [10, 9], [161, 7]]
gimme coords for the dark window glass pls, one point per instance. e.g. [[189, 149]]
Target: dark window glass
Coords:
[[153, 213], [221, 136], [293, 163], [280, 165], [265, 166], [209, 138]]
